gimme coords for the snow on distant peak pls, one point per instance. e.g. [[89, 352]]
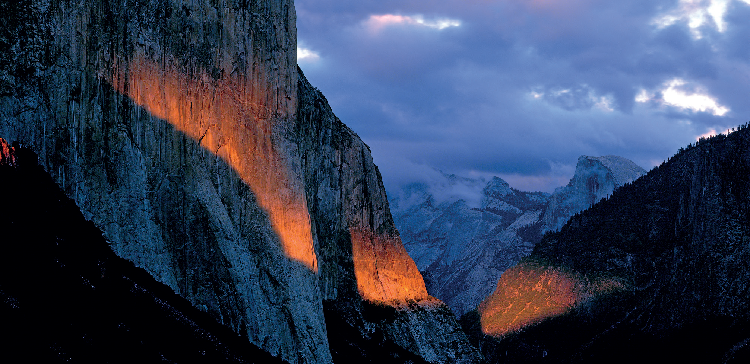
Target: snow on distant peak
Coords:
[[498, 187]]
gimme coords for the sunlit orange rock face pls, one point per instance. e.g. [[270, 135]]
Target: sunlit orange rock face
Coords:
[[531, 292], [384, 270], [228, 119], [360, 251], [222, 115], [7, 154]]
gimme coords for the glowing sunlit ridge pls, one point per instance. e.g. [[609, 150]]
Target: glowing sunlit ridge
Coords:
[[240, 127], [385, 272], [530, 292]]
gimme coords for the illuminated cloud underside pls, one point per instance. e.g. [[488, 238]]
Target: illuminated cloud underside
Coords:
[[376, 23], [673, 94], [306, 55], [473, 92], [584, 96], [697, 13]]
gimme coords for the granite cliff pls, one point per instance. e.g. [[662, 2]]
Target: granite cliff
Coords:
[[186, 133], [657, 271], [464, 233]]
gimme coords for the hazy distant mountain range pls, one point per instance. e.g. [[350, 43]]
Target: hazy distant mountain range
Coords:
[[463, 232]]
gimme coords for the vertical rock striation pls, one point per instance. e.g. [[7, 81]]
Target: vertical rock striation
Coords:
[[170, 124], [177, 128]]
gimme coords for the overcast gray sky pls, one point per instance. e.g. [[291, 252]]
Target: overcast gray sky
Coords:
[[521, 88]]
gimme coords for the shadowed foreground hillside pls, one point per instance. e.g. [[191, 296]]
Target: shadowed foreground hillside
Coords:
[[677, 239], [66, 297]]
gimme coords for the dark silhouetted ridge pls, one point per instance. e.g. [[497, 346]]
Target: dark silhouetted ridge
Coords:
[[66, 297], [678, 239]]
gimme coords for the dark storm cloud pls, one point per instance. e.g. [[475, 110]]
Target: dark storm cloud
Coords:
[[522, 88], [738, 33]]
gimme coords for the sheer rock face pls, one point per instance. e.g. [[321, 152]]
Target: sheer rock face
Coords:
[[174, 127], [169, 124], [349, 205]]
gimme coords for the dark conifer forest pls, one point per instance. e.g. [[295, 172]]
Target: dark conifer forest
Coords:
[[678, 239]]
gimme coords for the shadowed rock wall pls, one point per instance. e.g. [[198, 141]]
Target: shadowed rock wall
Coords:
[[66, 297]]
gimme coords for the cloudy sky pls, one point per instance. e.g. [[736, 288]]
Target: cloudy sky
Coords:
[[521, 88]]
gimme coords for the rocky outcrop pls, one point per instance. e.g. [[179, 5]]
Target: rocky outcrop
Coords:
[[464, 233], [349, 205], [174, 127], [676, 239]]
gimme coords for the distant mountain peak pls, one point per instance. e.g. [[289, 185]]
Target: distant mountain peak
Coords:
[[623, 170], [463, 247], [670, 251], [498, 187], [595, 178]]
